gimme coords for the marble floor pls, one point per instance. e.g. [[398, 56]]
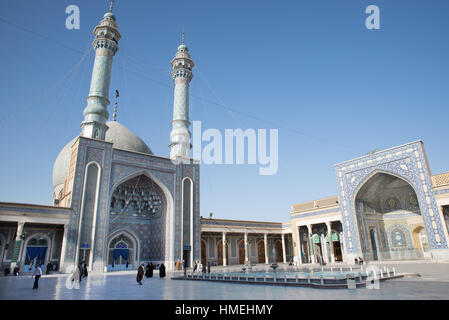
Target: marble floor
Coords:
[[433, 284]]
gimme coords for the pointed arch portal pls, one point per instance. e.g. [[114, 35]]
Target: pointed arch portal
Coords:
[[387, 211]]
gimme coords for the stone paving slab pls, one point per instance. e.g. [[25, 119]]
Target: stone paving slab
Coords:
[[432, 285]]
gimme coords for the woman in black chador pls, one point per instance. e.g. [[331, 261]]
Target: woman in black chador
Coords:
[[140, 273], [162, 271], [85, 269], [149, 270]]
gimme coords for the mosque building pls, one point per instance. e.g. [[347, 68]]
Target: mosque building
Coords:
[[116, 204]]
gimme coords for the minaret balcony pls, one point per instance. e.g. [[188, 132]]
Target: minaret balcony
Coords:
[[106, 44], [182, 73]]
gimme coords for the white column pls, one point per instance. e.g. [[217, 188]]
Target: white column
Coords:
[[246, 247], [331, 243], [64, 244], [265, 245], [343, 246], [224, 249], [298, 245], [324, 249], [283, 249], [311, 248], [20, 226]]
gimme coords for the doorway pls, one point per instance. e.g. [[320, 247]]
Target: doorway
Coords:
[[242, 252], [261, 251], [203, 252], [121, 253], [36, 252], [220, 252], [186, 257], [372, 233]]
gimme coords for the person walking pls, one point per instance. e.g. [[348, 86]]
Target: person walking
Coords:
[[195, 266], [149, 270], [162, 271], [48, 268], [76, 277], [37, 274], [204, 270], [140, 273], [16, 271], [85, 269], [80, 270], [7, 271], [208, 267]]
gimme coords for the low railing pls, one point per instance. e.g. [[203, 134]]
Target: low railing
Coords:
[[397, 255], [350, 280]]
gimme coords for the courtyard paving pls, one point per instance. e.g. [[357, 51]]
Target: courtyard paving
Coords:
[[432, 285]]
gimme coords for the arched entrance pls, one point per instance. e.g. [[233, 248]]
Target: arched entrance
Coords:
[[316, 247], [142, 203], [121, 253], [242, 252], [336, 244], [261, 251], [220, 252], [387, 209], [36, 253], [278, 248], [203, 252]]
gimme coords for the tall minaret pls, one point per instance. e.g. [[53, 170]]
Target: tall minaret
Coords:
[[182, 74], [105, 45]]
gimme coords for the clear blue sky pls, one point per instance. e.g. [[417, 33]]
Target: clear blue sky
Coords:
[[310, 68]]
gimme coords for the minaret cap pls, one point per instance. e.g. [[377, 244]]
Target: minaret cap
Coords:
[[109, 14], [183, 46]]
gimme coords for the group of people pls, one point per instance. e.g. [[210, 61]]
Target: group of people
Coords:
[[36, 274], [358, 260], [199, 267], [79, 273], [16, 271], [50, 267], [148, 271]]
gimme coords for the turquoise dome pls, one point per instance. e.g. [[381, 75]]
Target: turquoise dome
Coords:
[[118, 134]]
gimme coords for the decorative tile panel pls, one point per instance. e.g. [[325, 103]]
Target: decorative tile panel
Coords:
[[407, 162]]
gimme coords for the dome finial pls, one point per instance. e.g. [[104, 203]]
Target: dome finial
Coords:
[[182, 42], [111, 6], [114, 115]]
